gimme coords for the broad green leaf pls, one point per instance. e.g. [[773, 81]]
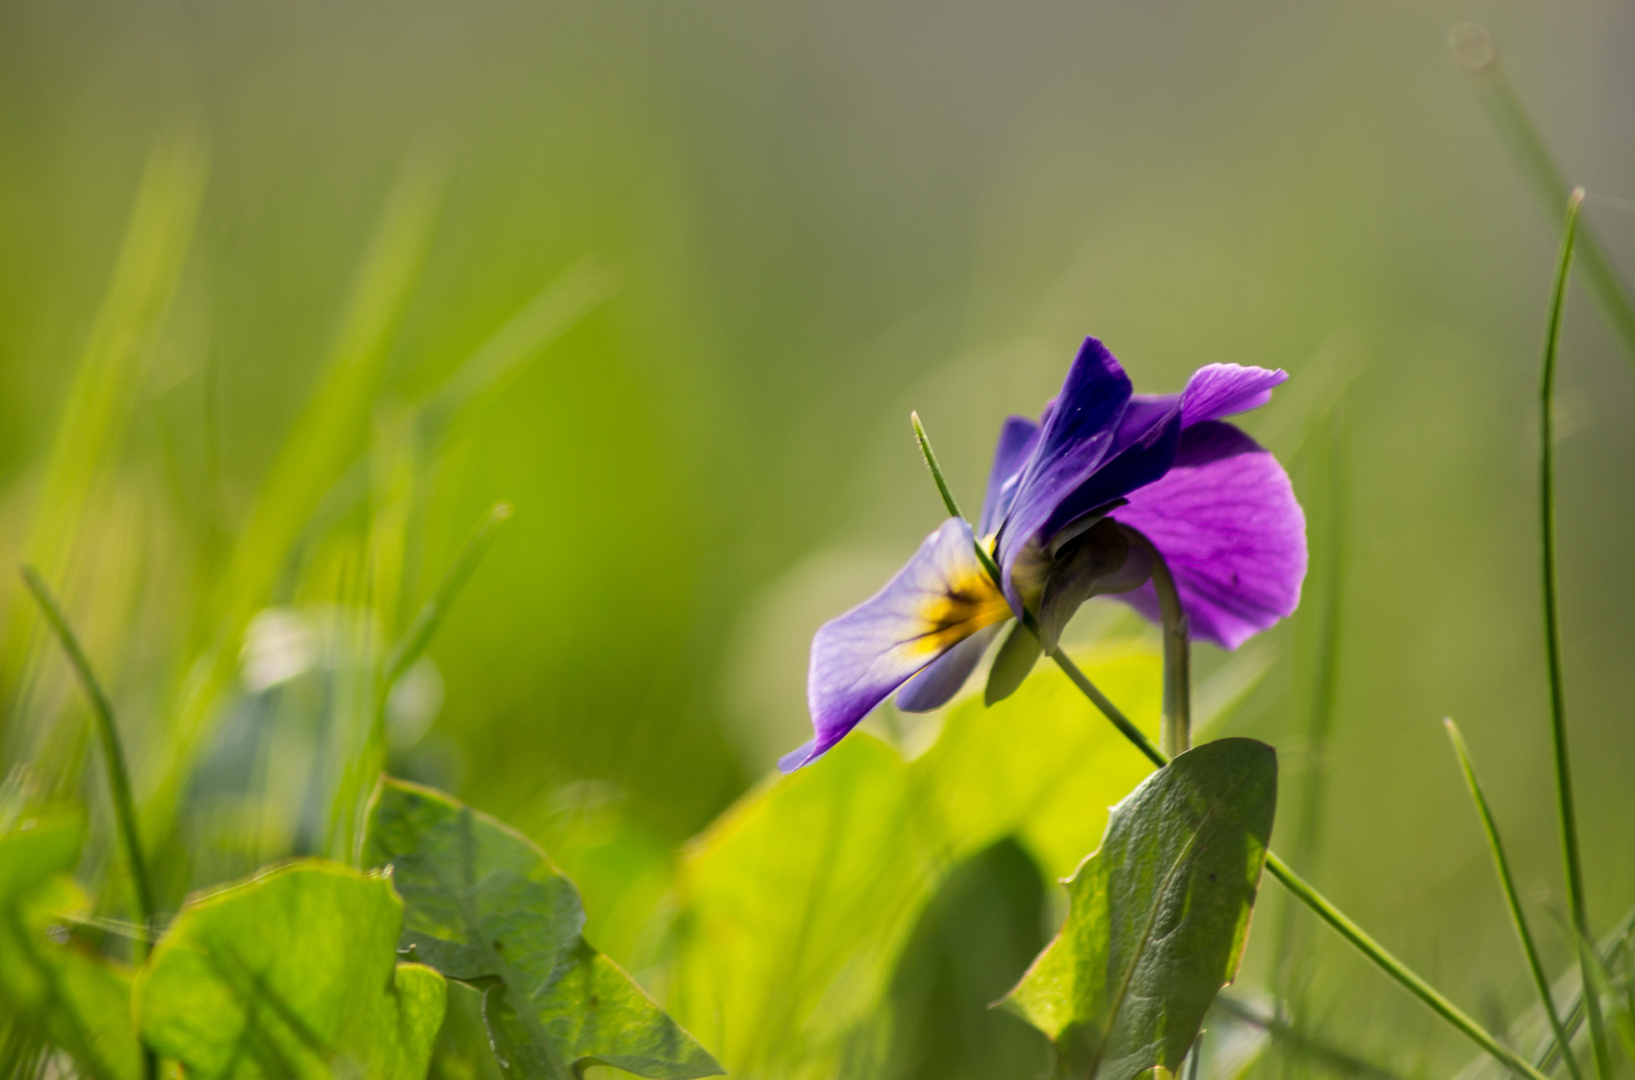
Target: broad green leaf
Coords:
[[972, 942], [80, 1000], [486, 906], [1159, 915], [795, 904], [291, 973]]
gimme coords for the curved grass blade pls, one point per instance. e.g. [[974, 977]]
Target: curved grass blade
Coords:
[[113, 754], [1512, 898], [319, 447], [1477, 54], [107, 388], [1566, 811]]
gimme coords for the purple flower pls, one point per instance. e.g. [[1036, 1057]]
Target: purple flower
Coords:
[[1062, 499]]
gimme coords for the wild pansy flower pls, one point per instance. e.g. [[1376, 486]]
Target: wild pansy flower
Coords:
[[1075, 506]]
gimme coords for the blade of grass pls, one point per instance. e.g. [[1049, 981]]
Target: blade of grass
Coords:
[[109, 375], [361, 772], [1567, 814], [1477, 54], [1611, 945], [1512, 898], [431, 615], [322, 442], [558, 306], [1280, 870], [113, 754]]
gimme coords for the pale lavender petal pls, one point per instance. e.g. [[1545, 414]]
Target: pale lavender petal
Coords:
[[1016, 442], [939, 681], [1220, 390], [1226, 521], [939, 599], [1077, 433]]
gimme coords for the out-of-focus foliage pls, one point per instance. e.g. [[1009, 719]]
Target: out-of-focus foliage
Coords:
[[80, 1000]]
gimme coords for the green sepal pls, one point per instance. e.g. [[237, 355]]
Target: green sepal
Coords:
[[1012, 664]]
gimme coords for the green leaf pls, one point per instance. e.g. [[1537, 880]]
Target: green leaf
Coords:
[[80, 1000], [291, 973], [486, 906], [795, 905], [1159, 915]]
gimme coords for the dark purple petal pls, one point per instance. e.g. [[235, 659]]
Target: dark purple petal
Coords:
[[1226, 521], [939, 599], [1016, 442], [1078, 431], [1144, 447], [939, 681], [1220, 390]]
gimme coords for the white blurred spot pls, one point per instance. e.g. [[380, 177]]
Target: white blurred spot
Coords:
[[278, 645], [413, 703]]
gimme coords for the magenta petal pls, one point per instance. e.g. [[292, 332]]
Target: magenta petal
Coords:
[[1220, 390], [1226, 521], [942, 597]]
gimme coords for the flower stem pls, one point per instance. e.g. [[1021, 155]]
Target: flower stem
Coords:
[[113, 754], [1395, 968], [1513, 899], [1175, 715], [1552, 635], [1292, 881]]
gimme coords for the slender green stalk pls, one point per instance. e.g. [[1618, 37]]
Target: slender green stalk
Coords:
[[119, 778], [430, 617], [113, 754], [1175, 715], [1108, 709], [983, 555], [1476, 53], [1292, 881], [1568, 817], [1395, 968], [1511, 896], [1550, 1050]]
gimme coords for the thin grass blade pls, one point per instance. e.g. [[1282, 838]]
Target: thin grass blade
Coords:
[[1512, 898], [1476, 53]]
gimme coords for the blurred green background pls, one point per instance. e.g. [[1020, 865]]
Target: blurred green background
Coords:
[[802, 221]]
